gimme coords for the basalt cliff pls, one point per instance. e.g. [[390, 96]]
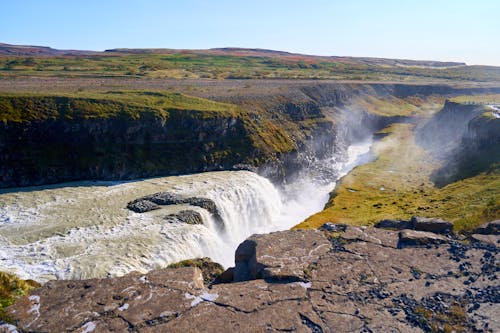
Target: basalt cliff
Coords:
[[116, 135]]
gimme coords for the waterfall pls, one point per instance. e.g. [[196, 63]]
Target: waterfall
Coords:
[[83, 230]]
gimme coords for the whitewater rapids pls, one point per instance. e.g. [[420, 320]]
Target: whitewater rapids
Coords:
[[84, 230]]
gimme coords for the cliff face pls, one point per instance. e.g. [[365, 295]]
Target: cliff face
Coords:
[[465, 137], [133, 134], [61, 150], [448, 126], [340, 279]]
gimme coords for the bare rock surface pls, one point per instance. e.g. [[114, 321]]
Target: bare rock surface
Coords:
[[274, 257], [419, 238], [340, 279], [490, 239]]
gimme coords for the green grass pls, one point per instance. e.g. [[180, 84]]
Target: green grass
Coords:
[[126, 104], [397, 186], [400, 106], [199, 65], [482, 99], [268, 134]]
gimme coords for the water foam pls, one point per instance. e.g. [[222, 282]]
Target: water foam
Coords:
[[83, 230]]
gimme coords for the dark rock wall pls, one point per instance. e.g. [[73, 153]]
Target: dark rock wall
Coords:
[[60, 150]]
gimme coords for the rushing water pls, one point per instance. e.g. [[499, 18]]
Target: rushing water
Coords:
[[495, 110], [83, 230]]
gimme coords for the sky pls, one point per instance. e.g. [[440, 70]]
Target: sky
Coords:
[[447, 30]]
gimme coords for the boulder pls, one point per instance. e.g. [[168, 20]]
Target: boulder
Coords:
[[185, 216], [226, 277], [490, 228], [142, 206], [434, 225], [154, 201], [333, 227], [419, 238], [210, 270], [204, 203], [279, 256], [164, 198], [394, 224], [487, 239]]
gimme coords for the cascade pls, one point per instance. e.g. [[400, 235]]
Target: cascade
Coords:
[[83, 230]]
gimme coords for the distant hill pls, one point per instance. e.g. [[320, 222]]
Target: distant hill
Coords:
[[28, 50], [235, 51]]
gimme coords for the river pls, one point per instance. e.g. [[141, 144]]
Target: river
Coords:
[[84, 230]]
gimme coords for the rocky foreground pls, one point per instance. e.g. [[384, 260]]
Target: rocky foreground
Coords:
[[337, 279]]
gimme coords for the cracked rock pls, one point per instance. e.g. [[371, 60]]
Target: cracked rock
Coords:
[[294, 281]]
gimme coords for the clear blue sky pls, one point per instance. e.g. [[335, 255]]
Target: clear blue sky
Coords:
[[461, 30]]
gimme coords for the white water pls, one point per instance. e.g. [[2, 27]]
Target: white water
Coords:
[[495, 111], [83, 230]]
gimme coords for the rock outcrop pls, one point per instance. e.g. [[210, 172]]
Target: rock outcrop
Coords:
[[418, 223], [185, 216], [154, 201], [490, 228], [350, 279]]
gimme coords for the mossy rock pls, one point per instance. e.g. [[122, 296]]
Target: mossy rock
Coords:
[[210, 270], [11, 287]]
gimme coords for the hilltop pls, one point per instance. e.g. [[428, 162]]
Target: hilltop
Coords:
[[229, 63]]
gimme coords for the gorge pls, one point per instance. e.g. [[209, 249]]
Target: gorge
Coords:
[[107, 180]]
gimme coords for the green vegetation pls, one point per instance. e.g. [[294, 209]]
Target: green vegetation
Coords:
[[268, 135], [398, 106], [10, 288], [449, 320], [479, 99], [255, 136], [397, 185], [209, 269], [126, 104], [201, 65]]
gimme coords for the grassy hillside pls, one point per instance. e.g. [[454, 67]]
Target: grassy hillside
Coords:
[[207, 65], [128, 104], [396, 185], [481, 99]]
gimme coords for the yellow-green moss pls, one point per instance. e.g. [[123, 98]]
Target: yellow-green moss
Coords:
[[400, 106], [131, 104], [10, 288], [483, 99]]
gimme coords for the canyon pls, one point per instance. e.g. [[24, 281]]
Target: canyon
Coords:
[[115, 188]]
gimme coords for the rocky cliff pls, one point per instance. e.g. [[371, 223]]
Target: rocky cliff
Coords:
[[58, 150], [50, 138], [465, 137], [337, 279]]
